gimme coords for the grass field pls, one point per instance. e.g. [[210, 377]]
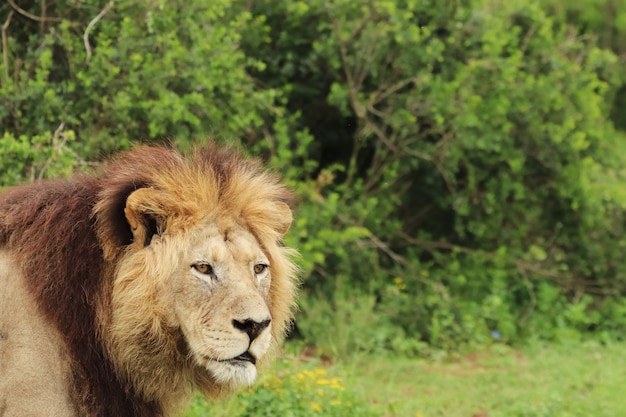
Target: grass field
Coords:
[[573, 380], [582, 380]]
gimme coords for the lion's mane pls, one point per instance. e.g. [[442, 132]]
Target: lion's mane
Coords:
[[70, 236]]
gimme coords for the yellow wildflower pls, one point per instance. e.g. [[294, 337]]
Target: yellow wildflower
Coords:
[[335, 384], [399, 283], [323, 381], [316, 406]]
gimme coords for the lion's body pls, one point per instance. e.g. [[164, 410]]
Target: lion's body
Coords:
[[122, 293], [34, 372]]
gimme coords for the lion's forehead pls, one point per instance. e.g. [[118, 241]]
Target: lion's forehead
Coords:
[[221, 243]]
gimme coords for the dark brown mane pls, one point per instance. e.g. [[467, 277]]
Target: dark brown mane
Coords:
[[47, 223]]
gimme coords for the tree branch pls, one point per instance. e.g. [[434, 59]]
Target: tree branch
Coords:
[[44, 12], [32, 16], [58, 133], [5, 47], [91, 24]]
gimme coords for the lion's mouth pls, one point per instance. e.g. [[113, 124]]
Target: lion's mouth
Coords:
[[245, 357], [237, 361]]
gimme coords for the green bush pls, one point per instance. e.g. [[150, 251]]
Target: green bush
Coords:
[[36, 157], [460, 180], [149, 71], [469, 141], [604, 20]]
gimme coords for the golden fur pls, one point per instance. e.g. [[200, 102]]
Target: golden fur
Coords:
[[187, 286]]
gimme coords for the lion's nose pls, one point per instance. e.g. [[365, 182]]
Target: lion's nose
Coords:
[[252, 327]]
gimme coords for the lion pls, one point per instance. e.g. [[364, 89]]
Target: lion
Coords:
[[124, 292]]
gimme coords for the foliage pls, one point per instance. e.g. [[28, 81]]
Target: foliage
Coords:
[[348, 325], [130, 70], [458, 173], [470, 145], [37, 157], [604, 20]]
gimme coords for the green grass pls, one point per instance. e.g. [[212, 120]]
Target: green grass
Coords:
[[554, 380], [573, 380]]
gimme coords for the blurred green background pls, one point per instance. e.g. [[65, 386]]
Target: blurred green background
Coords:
[[461, 164]]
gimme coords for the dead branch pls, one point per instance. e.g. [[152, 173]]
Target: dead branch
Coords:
[[91, 24], [32, 16], [44, 12], [58, 133], [5, 47], [382, 94], [387, 250]]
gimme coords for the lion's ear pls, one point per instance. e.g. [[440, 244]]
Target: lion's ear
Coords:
[[284, 217], [145, 215]]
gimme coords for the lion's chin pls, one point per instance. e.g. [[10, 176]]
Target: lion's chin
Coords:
[[233, 373]]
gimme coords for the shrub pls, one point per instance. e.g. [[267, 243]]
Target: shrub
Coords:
[[468, 140], [302, 392], [114, 72]]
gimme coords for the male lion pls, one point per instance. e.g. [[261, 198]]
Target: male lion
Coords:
[[121, 293]]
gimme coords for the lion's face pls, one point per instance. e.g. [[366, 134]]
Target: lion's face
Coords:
[[219, 297], [198, 286], [203, 281]]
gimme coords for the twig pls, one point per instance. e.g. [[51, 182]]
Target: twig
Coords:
[[271, 142], [437, 286], [386, 249], [382, 93], [91, 24], [432, 245], [379, 133], [32, 16], [362, 71], [57, 148], [42, 23], [5, 48]]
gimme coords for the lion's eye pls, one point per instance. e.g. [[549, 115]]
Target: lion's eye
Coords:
[[203, 268], [259, 268]]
